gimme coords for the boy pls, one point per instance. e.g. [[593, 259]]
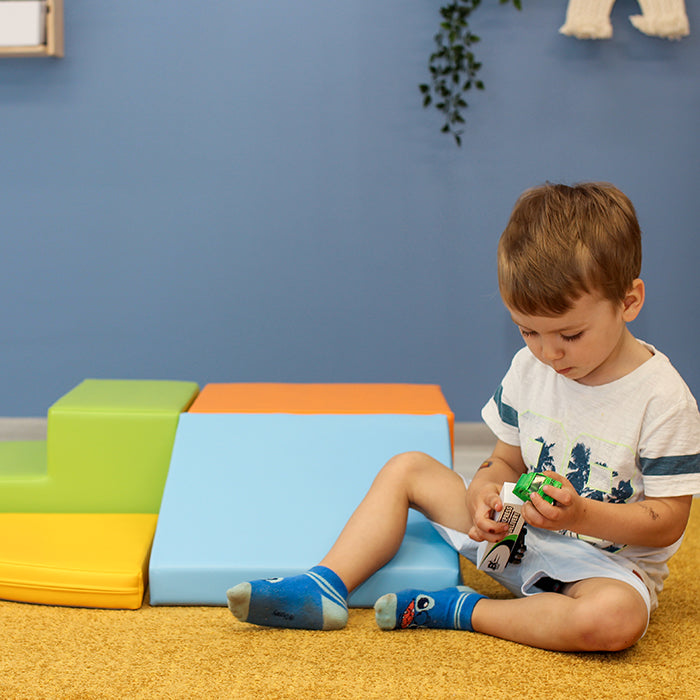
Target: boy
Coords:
[[584, 402]]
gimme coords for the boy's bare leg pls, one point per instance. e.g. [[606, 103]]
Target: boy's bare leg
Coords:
[[318, 598], [375, 531], [592, 615]]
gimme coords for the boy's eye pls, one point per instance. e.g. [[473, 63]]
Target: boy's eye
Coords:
[[527, 334], [570, 338]]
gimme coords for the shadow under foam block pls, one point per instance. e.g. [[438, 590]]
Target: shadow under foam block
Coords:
[[259, 495]]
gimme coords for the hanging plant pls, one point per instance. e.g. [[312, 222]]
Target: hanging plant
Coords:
[[453, 67]]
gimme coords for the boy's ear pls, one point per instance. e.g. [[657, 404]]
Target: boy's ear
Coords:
[[633, 301]]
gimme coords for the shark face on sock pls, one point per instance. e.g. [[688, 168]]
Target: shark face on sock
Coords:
[[416, 613], [450, 608]]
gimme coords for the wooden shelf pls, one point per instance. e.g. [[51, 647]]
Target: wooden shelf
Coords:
[[54, 35]]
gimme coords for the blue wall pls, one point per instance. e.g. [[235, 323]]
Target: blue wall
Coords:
[[251, 191]]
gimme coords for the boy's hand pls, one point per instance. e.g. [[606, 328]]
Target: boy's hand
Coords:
[[564, 514], [651, 522], [487, 503]]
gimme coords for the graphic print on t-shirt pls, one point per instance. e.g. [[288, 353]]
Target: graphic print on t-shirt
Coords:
[[585, 460]]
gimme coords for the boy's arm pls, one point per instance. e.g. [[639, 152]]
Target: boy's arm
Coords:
[[504, 464], [651, 522]]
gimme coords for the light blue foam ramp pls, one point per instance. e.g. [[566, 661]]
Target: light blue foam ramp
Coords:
[[259, 495]]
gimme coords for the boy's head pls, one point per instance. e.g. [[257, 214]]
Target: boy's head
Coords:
[[562, 242]]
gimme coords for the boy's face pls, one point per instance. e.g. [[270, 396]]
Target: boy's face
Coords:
[[589, 343]]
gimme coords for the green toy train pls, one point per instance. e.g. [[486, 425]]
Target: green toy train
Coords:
[[533, 482]]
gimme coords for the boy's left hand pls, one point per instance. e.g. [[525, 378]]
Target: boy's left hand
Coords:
[[564, 514]]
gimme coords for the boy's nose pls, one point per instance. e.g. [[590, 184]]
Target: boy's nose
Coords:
[[551, 350]]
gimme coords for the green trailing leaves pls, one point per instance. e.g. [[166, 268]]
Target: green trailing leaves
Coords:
[[453, 67]]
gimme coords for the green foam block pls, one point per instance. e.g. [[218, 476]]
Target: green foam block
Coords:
[[108, 450], [22, 460]]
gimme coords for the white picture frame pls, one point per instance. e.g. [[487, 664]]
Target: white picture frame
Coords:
[[22, 23]]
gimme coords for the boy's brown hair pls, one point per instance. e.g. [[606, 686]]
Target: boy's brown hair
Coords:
[[561, 242]]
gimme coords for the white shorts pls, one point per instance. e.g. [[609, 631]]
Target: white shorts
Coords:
[[553, 557]]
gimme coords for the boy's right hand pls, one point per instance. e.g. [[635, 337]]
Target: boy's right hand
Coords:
[[483, 494], [485, 504]]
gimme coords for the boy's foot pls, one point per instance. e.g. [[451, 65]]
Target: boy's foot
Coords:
[[450, 608], [316, 600]]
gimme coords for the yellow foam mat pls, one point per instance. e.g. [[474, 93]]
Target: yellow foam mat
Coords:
[[80, 559]]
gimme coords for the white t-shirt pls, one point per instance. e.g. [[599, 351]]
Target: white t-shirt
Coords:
[[636, 437]]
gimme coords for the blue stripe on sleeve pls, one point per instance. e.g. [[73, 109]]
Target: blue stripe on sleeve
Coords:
[[507, 413], [670, 466]]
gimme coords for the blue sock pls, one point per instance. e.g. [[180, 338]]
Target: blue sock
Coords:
[[316, 600], [449, 609]]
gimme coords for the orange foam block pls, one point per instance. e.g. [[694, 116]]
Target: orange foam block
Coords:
[[416, 399]]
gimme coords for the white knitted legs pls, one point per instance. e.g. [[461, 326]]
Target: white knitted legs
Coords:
[[588, 19], [664, 18]]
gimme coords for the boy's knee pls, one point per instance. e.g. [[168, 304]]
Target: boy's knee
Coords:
[[405, 461], [408, 465], [617, 622]]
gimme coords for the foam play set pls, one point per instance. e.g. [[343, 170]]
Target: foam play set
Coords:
[[155, 484]]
